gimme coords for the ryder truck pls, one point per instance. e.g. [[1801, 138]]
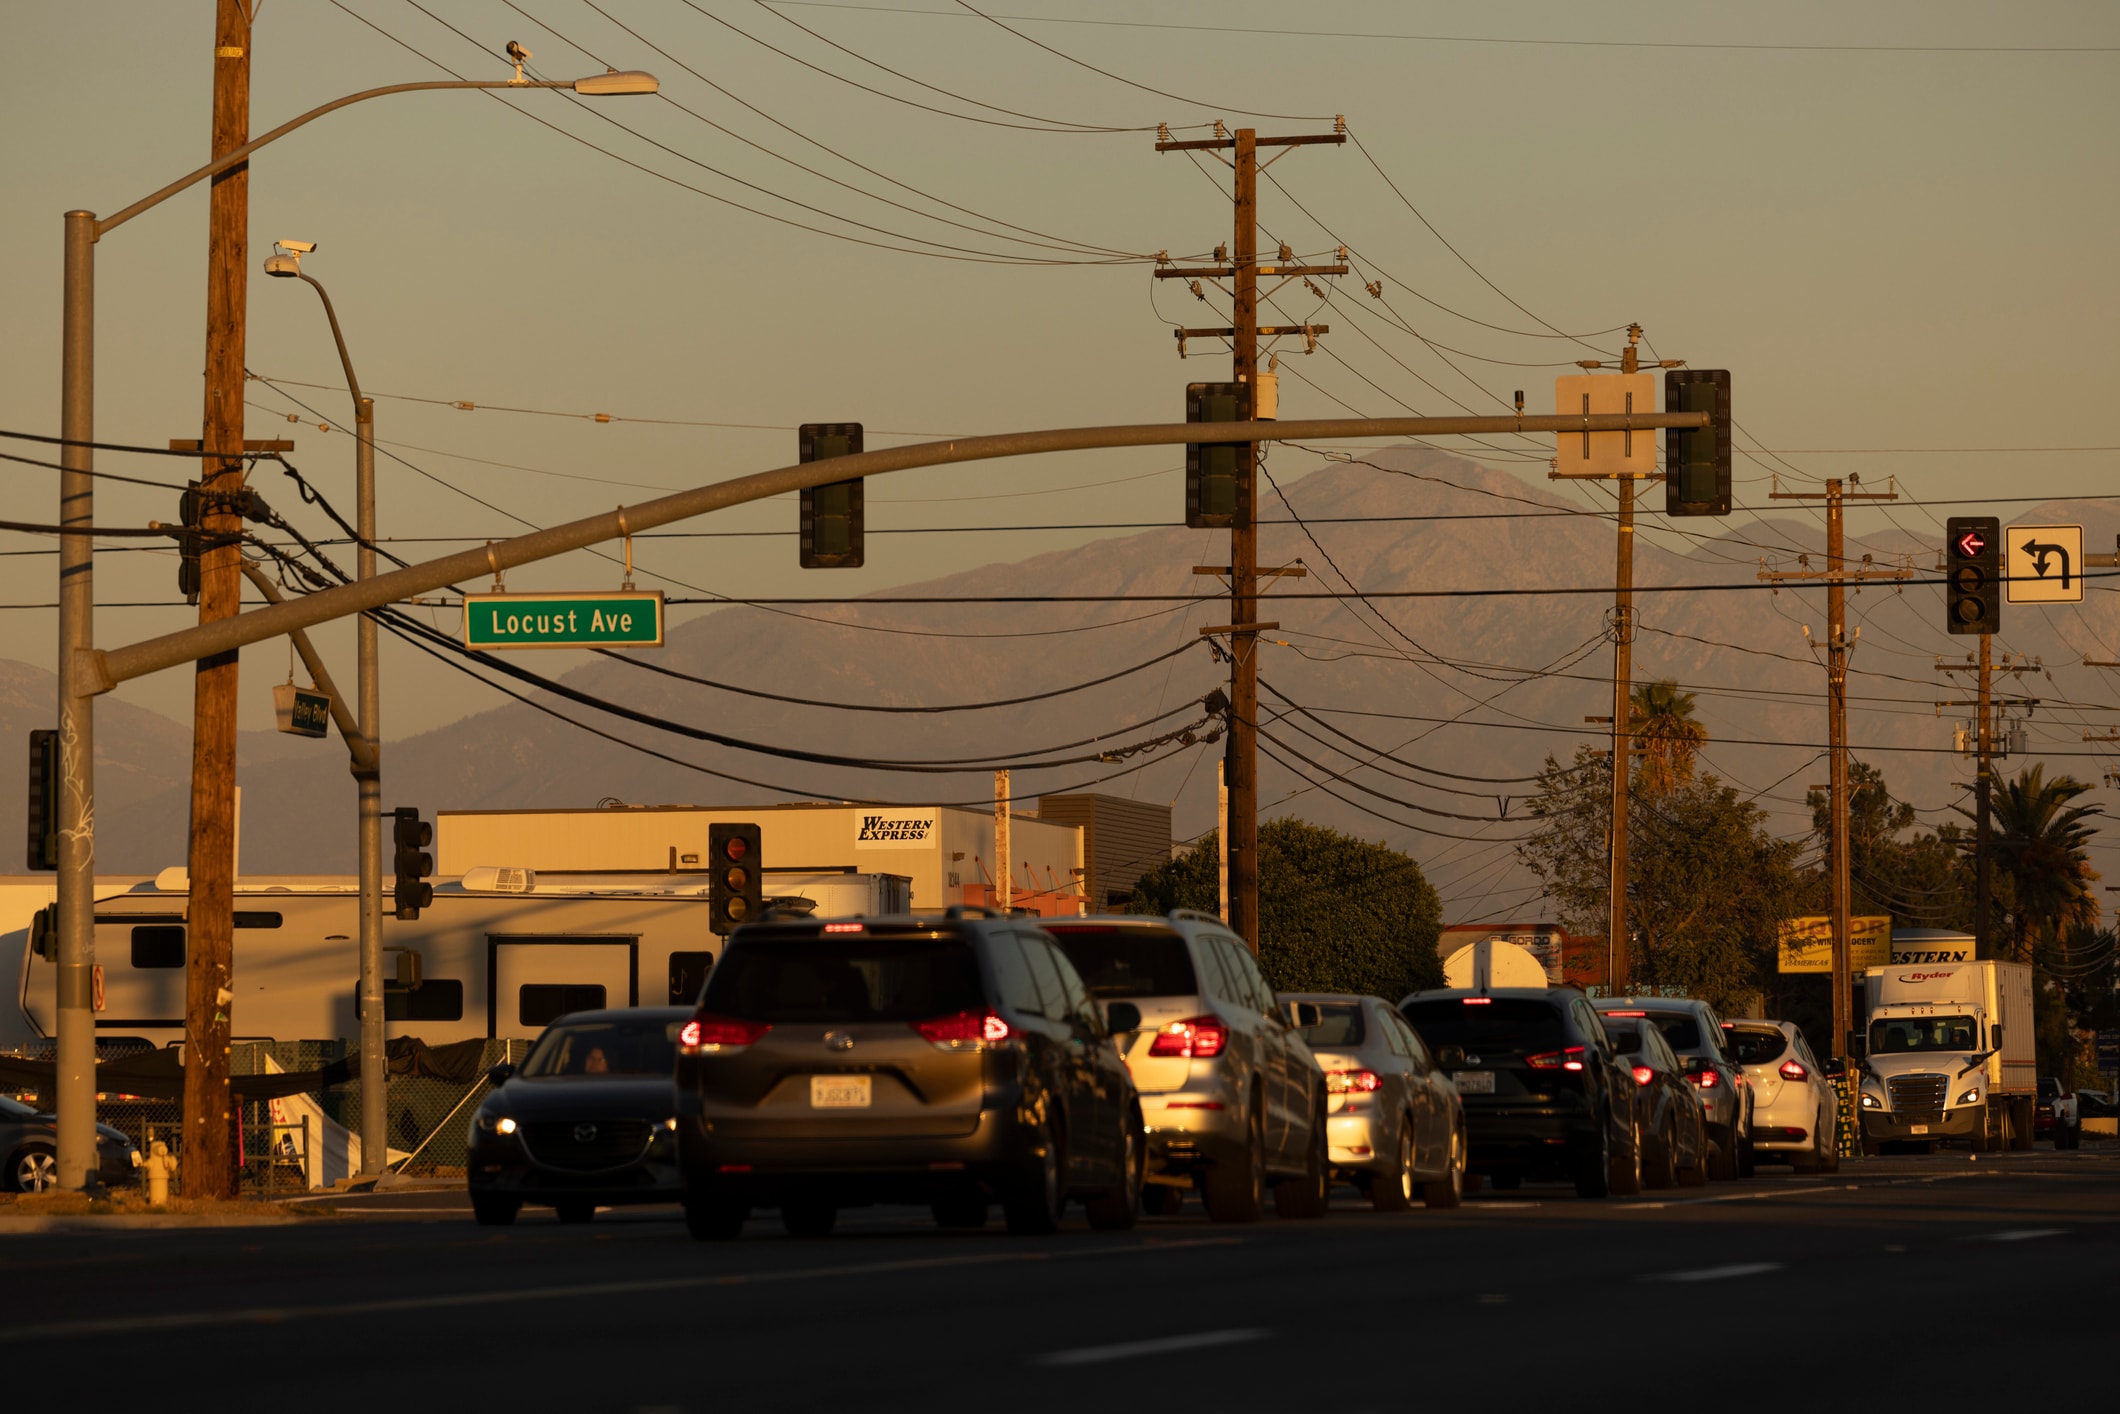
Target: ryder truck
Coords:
[[1950, 1055]]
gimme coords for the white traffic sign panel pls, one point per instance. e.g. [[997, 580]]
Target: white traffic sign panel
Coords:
[[2042, 564]]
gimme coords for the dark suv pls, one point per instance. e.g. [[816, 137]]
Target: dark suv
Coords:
[[950, 1061], [1545, 1094]]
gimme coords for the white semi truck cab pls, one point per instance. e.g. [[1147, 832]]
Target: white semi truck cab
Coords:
[[1949, 1055]]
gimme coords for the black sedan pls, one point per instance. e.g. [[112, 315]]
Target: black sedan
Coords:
[[589, 1120], [29, 1141], [1674, 1135]]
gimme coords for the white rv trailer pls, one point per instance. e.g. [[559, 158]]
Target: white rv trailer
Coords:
[[499, 953]]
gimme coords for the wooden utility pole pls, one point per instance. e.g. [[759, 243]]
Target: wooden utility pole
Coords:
[[1004, 881], [1838, 647], [209, 1169], [1618, 967], [1240, 760], [1985, 750]]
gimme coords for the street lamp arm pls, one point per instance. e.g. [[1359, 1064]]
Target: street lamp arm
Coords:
[[242, 154], [353, 384]]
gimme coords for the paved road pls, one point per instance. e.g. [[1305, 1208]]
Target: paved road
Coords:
[[1767, 1294]]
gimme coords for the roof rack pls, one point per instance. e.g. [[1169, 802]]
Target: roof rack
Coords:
[[1197, 915], [969, 910]]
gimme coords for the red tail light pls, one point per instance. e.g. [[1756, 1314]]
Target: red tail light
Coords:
[[1343, 1082], [1626, 1013], [719, 1033], [1644, 1074], [1570, 1059], [1199, 1037], [1794, 1070], [966, 1028], [1707, 1079], [1479, 1001]]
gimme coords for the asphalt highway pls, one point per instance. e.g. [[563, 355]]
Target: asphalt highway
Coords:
[[1896, 1283]]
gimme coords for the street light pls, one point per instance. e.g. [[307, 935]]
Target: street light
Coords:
[[74, 1081], [286, 263]]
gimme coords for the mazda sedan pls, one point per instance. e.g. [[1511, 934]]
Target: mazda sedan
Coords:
[[589, 1120]]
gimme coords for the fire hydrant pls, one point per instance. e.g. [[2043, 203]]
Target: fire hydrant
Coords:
[[161, 1166]]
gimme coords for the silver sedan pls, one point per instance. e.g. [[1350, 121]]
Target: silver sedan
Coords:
[[1394, 1125]]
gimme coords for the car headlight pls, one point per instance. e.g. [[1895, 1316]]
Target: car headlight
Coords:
[[1871, 1102], [1969, 1096], [495, 1123]]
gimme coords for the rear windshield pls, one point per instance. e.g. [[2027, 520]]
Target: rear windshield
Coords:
[[1500, 1026], [1681, 1030], [1899, 1034], [862, 977], [1626, 1039], [1339, 1025], [1756, 1047], [605, 1048], [1129, 962]]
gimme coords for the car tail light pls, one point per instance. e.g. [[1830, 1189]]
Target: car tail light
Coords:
[[1626, 1013], [1479, 1001], [1570, 1059], [1199, 1037], [1343, 1082], [965, 1029], [1707, 1079], [1644, 1074], [844, 927], [1794, 1070], [711, 1034]]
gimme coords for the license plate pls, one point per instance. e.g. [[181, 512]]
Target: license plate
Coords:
[[1474, 1082], [1917, 1129], [839, 1092]]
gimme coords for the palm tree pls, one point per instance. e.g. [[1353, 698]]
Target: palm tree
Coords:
[[2038, 842], [1661, 719]]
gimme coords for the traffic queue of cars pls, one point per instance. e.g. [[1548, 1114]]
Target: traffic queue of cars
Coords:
[[976, 1061]]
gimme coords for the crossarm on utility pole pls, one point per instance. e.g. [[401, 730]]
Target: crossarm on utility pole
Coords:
[[107, 668], [357, 746]]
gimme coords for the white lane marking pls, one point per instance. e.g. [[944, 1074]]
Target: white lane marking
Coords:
[[2016, 1234], [1735, 1269], [464, 1300], [1165, 1345]]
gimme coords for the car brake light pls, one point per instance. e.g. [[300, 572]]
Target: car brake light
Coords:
[[1199, 1037], [965, 1028], [1570, 1059], [1626, 1013], [844, 927], [1644, 1074], [1479, 1001], [1794, 1070], [1342, 1082], [1707, 1079], [704, 1034]]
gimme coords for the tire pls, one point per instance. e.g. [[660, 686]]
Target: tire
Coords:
[[1661, 1171], [1392, 1191], [1722, 1158], [1695, 1175], [1747, 1159], [1034, 1199], [1449, 1190], [1593, 1164], [1627, 1168], [33, 1169], [711, 1218], [1309, 1196], [1829, 1144], [1160, 1200], [492, 1210], [966, 1212], [1118, 1208], [1236, 1192], [809, 1217], [575, 1210], [2021, 1126]]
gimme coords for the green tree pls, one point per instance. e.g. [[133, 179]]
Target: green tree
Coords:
[[2038, 842], [1921, 881], [1665, 733], [1336, 914]]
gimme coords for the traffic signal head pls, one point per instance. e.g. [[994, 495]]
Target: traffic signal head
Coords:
[[834, 517], [1972, 574], [735, 878], [411, 835], [1697, 460], [1217, 491]]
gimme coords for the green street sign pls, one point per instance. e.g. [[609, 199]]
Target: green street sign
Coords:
[[301, 711], [616, 620]]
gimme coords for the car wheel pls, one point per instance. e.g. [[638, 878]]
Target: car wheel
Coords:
[[1119, 1208], [1161, 1200], [713, 1218], [1449, 1190], [1309, 1195], [1695, 1174], [575, 1211], [1808, 1161], [966, 1211], [809, 1217], [1829, 1142], [491, 1210], [1627, 1167], [1982, 1142], [35, 1169], [1235, 1192], [1392, 1190], [1661, 1169], [1747, 1159], [1593, 1164], [1722, 1159], [1033, 1202]]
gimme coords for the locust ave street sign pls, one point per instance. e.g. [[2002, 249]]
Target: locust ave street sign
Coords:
[[617, 620], [2042, 564]]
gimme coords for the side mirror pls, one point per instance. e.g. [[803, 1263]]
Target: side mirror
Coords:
[[1995, 1036], [498, 1073], [1450, 1057], [1121, 1016], [1833, 1067], [1305, 1015]]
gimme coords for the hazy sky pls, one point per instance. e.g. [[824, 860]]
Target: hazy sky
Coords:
[[1893, 222]]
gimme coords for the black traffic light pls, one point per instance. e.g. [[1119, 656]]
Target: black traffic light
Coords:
[[736, 883], [1217, 492], [412, 835], [1972, 570], [833, 516], [43, 799], [191, 509], [1697, 460], [44, 932]]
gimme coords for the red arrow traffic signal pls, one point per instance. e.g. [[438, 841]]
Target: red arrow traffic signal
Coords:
[[1971, 544]]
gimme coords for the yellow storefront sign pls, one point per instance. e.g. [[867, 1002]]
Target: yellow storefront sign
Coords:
[[1807, 944]]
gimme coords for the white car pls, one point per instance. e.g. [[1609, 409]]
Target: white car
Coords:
[[1795, 1109], [1394, 1125]]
